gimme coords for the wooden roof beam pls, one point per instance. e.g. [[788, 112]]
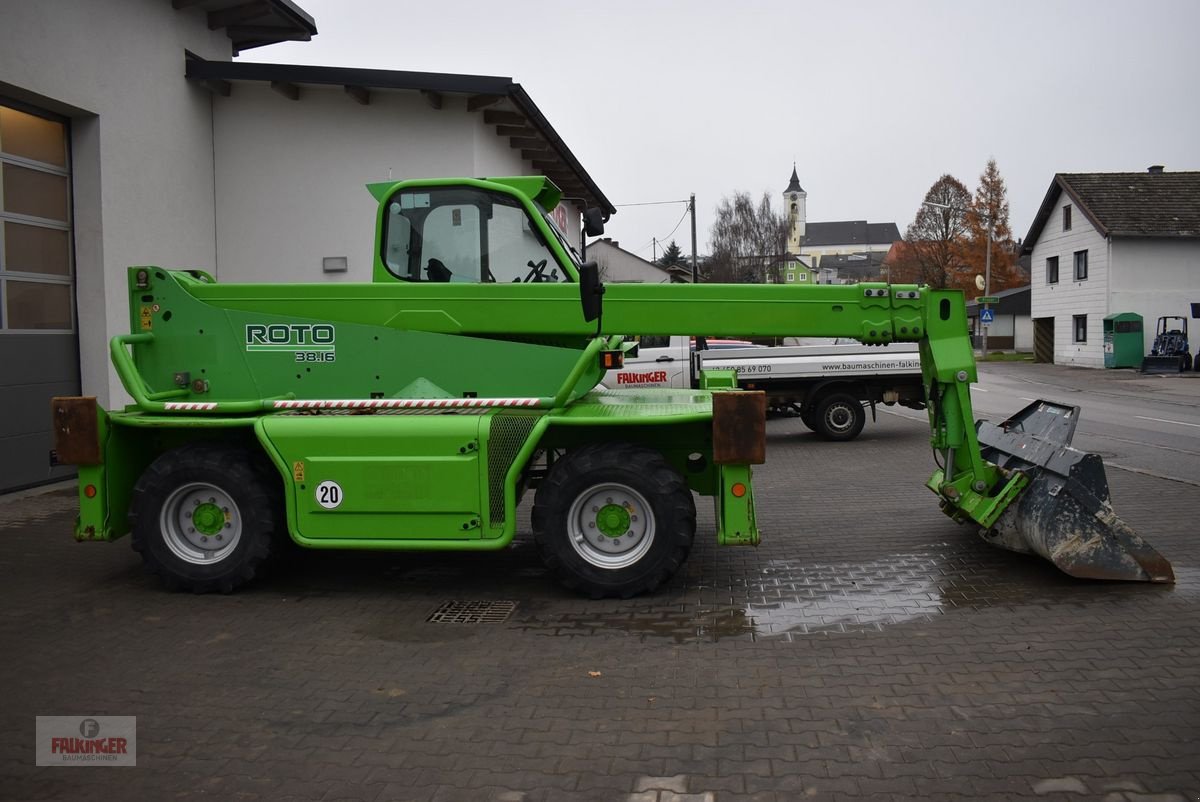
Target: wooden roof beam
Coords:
[[288, 90], [477, 102], [497, 117], [528, 143], [360, 93], [515, 130]]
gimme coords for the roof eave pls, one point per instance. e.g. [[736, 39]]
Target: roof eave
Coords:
[[217, 73]]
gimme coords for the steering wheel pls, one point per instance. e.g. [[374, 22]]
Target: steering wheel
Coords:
[[535, 271]]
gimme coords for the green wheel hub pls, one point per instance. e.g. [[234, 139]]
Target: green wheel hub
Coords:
[[208, 518], [613, 520]]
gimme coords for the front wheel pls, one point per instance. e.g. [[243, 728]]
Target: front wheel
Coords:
[[840, 416], [614, 520], [204, 518]]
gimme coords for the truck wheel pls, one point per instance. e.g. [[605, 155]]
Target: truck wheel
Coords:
[[614, 520], [840, 416], [203, 518]]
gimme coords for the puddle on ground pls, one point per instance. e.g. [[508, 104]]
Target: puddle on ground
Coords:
[[789, 599]]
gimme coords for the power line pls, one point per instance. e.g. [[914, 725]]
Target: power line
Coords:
[[650, 203]]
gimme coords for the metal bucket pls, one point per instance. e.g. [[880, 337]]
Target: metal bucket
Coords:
[[1064, 514]]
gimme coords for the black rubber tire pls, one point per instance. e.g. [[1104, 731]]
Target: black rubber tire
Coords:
[[640, 469], [1187, 362], [840, 417], [240, 474]]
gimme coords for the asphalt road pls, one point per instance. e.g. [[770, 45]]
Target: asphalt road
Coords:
[[1143, 424]]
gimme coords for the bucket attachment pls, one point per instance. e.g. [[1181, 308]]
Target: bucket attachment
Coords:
[[1162, 364], [1064, 513]]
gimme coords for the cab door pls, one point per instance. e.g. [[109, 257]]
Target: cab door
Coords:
[[661, 362]]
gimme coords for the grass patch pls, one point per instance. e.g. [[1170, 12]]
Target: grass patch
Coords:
[[1005, 356]]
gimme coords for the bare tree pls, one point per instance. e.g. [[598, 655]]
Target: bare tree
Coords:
[[747, 241], [935, 239]]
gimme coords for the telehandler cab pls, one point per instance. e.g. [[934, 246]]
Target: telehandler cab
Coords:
[[415, 411]]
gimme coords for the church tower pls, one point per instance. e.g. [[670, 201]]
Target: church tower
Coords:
[[794, 202]]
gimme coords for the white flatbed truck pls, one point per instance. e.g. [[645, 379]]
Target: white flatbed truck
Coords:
[[829, 386]]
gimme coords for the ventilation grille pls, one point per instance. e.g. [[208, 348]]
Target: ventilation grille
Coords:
[[472, 612], [508, 434]]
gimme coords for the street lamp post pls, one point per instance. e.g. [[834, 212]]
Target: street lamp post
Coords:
[[987, 288], [987, 269]]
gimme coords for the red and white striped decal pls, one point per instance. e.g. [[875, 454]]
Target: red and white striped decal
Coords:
[[407, 403], [190, 406]]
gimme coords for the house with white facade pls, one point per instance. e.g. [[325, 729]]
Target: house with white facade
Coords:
[[618, 265], [1104, 243], [130, 136]]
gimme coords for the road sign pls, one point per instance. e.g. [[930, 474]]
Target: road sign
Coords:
[[988, 299], [987, 316]]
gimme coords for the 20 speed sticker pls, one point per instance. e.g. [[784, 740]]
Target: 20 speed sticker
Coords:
[[329, 495]]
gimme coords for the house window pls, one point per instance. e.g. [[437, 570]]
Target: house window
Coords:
[[1081, 265], [802, 277], [791, 277], [1066, 218], [1052, 270], [1080, 327]]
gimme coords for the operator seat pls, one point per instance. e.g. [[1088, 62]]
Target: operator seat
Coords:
[[436, 271]]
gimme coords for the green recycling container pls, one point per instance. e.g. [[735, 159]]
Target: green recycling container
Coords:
[[1123, 346]]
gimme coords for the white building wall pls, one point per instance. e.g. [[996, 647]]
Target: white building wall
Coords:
[[1156, 277], [1068, 297], [291, 175], [116, 70], [617, 265], [1023, 336]]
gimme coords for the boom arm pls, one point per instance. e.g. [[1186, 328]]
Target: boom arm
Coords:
[[874, 313]]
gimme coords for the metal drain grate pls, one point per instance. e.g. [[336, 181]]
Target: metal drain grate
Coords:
[[472, 612]]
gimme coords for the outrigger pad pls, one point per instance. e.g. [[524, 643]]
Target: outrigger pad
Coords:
[[1064, 514]]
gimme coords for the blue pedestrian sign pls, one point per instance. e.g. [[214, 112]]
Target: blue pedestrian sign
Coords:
[[987, 316]]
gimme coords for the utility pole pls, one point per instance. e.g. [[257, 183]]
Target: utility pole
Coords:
[[692, 209], [653, 250]]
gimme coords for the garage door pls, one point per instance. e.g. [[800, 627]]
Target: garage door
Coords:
[[38, 346]]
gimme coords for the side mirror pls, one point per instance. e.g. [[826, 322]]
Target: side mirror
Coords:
[[593, 221], [591, 291]]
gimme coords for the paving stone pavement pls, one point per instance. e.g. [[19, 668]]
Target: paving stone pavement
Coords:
[[870, 648]]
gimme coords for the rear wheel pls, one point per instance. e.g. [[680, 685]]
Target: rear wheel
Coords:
[[204, 518], [840, 416], [614, 520]]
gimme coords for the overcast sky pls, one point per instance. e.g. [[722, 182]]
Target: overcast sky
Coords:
[[872, 100]]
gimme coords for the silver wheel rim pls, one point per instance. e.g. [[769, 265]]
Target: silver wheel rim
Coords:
[[604, 537], [839, 418], [200, 523]]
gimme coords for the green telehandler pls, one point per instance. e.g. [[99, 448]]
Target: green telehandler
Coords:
[[414, 412]]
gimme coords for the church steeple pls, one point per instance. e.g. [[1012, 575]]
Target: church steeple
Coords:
[[795, 199], [794, 184]]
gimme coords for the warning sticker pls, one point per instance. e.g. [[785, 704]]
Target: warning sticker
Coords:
[[147, 317]]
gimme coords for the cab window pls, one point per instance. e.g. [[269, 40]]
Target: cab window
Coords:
[[463, 234]]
